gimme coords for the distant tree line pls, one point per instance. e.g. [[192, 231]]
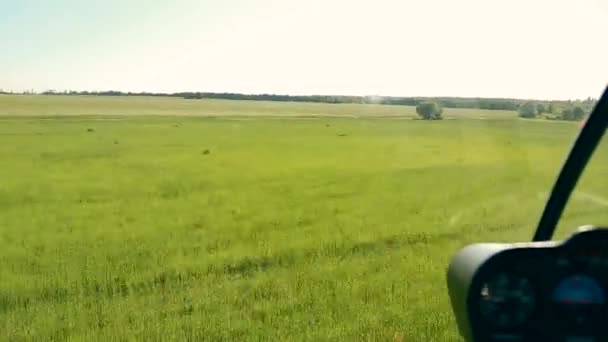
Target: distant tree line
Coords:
[[565, 110], [444, 102], [530, 109], [447, 102]]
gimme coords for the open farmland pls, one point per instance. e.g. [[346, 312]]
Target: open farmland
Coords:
[[168, 219], [48, 106]]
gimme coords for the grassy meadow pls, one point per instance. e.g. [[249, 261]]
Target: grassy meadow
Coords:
[[166, 219]]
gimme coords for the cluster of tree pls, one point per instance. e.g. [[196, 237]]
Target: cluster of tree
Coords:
[[429, 111], [573, 113], [569, 111], [528, 109]]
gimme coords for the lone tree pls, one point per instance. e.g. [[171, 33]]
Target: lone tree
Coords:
[[528, 110], [429, 111]]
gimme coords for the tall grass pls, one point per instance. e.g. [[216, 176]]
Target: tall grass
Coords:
[[160, 228]]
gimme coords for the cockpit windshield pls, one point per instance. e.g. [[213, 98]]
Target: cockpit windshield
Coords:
[[588, 203]]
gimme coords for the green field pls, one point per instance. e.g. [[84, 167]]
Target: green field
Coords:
[[167, 219], [19, 106]]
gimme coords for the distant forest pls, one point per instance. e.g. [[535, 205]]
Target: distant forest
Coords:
[[446, 102]]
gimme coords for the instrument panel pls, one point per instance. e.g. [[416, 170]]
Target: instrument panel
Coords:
[[542, 292]]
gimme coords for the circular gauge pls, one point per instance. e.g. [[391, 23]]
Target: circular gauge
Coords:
[[578, 290], [507, 300]]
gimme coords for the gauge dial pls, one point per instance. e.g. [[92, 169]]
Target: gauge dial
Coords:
[[507, 300], [579, 290]]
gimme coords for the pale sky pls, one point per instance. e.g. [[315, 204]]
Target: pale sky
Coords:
[[546, 49]]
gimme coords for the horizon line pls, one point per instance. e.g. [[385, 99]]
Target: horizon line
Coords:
[[176, 93]]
